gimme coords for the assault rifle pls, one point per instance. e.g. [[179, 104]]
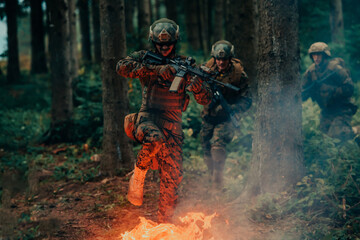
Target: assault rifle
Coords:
[[317, 82], [183, 67]]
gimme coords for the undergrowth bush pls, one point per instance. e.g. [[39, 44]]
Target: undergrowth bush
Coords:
[[328, 197]]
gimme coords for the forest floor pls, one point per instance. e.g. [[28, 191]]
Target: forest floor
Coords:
[[98, 210]]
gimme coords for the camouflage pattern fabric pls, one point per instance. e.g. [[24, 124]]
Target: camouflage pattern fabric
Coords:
[[331, 87], [215, 136], [217, 130], [158, 126], [238, 101]]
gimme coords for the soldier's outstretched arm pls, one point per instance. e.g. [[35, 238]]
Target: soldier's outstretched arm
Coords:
[[132, 67]]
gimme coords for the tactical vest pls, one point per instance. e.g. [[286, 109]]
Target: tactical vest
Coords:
[[158, 97], [234, 75]]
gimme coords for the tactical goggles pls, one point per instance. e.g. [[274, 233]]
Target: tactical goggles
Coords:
[[165, 44]]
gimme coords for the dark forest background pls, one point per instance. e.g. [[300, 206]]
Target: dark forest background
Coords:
[[60, 95]]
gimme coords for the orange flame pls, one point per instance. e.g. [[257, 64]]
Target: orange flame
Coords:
[[193, 229]]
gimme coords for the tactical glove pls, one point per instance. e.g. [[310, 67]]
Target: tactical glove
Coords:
[[165, 72], [195, 85]]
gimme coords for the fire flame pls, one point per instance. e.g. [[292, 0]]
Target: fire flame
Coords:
[[192, 228]]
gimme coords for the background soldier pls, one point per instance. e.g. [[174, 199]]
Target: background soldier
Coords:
[[328, 83], [157, 126], [217, 130]]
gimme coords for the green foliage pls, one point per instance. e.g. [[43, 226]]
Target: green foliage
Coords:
[[77, 167], [328, 197], [19, 127], [88, 115]]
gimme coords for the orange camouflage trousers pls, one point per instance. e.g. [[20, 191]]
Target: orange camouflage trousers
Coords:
[[162, 148]]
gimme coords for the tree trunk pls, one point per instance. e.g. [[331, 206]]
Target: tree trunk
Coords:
[[59, 48], [171, 9], [117, 151], [129, 16], [277, 161], [96, 30], [85, 30], [156, 9], [74, 62], [192, 24], [38, 58], [144, 23], [337, 22], [13, 67], [219, 21], [204, 25], [242, 29]]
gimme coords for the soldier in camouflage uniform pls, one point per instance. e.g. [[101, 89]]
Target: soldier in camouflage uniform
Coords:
[[157, 126], [217, 130], [328, 83]]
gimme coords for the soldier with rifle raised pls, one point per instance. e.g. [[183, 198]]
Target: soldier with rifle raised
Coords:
[[157, 125], [219, 121], [328, 83]]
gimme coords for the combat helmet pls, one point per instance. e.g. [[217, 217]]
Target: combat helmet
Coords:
[[319, 47], [222, 49], [164, 31]]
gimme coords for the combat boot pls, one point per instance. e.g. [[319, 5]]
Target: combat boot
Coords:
[[209, 163], [219, 155], [136, 187]]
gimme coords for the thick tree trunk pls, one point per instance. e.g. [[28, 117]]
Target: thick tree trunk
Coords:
[[59, 47], [277, 161], [192, 22], [219, 21], [96, 30], [85, 30], [117, 152], [13, 67], [143, 23], [38, 58], [242, 30], [337, 22], [74, 61], [171, 9]]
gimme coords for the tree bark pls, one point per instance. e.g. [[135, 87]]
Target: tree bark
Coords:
[[85, 30], [171, 9], [117, 152], [156, 9], [337, 22], [219, 21], [144, 23], [192, 22], [13, 67], [96, 30], [242, 29], [277, 161], [74, 61], [203, 27], [38, 57], [129, 16], [59, 48]]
